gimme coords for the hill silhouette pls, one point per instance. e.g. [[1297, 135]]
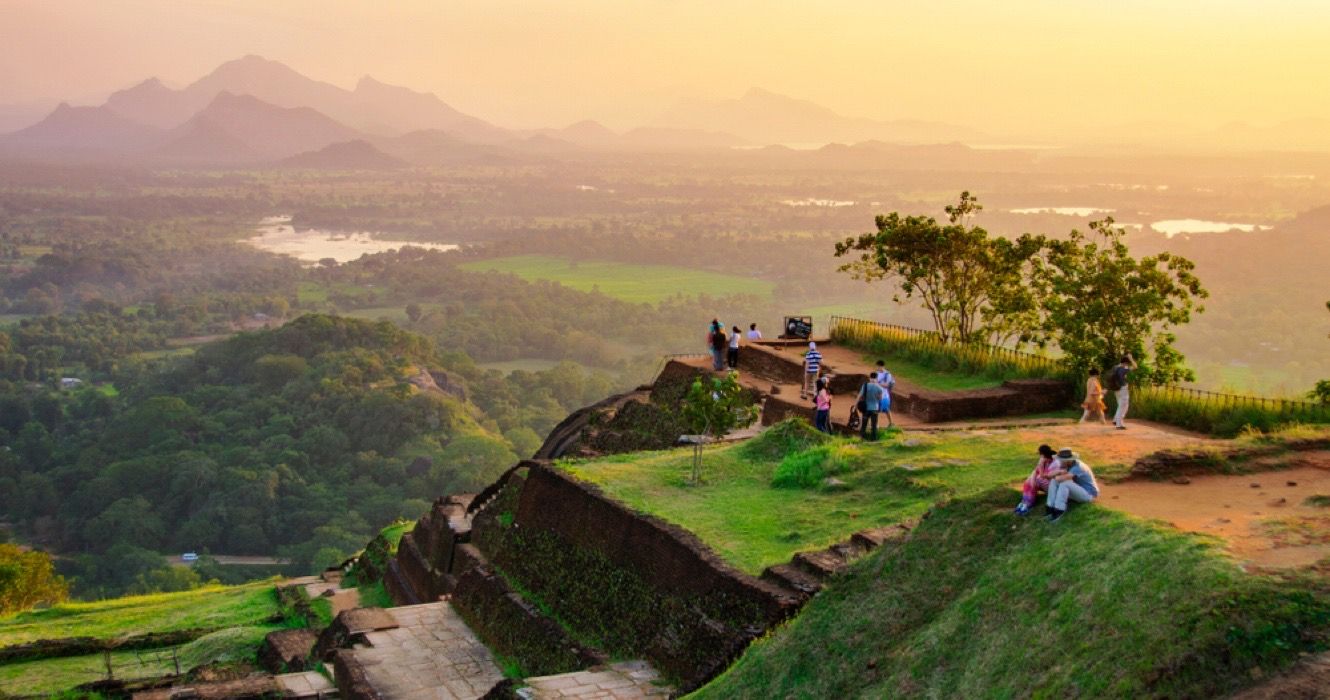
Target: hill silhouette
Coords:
[[74, 131], [241, 128], [372, 106], [346, 155]]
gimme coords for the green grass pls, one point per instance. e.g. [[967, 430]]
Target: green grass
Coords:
[[166, 352], [930, 378], [54, 675], [752, 524], [977, 603], [318, 292], [634, 283], [12, 319], [210, 607]]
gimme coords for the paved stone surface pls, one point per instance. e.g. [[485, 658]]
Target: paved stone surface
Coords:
[[628, 680], [430, 655], [309, 684]]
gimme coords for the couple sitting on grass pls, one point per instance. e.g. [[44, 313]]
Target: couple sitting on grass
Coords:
[[1064, 476]]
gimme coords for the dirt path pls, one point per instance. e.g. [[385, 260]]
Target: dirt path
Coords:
[[1266, 518]]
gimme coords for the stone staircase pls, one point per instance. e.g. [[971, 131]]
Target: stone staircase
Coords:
[[416, 652], [807, 572], [628, 680]]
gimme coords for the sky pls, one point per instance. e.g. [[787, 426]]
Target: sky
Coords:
[[1015, 66]]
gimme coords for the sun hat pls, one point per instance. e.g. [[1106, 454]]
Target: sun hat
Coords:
[[1066, 453]]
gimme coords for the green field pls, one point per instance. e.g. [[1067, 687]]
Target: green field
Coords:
[[210, 607], [930, 378], [635, 283], [739, 514]]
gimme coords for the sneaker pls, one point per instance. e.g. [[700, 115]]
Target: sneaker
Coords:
[[1122, 427], [1022, 509], [1056, 516]]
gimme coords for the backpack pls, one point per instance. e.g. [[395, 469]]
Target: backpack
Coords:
[[1114, 380]]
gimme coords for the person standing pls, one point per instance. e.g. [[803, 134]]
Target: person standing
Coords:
[[822, 419], [1118, 383], [869, 400], [734, 348], [1094, 399], [888, 384], [1075, 483], [812, 364], [753, 333], [718, 343]]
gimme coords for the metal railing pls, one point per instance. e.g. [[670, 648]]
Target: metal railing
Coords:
[[1178, 405], [976, 355]]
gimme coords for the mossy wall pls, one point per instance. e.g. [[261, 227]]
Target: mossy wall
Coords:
[[629, 583]]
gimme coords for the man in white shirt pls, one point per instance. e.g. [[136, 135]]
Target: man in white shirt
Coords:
[[753, 332]]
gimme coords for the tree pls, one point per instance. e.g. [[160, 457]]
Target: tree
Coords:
[[27, 579], [414, 312], [962, 277], [1101, 303], [1321, 392], [713, 408]]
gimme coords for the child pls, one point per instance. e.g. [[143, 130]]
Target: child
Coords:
[[822, 420]]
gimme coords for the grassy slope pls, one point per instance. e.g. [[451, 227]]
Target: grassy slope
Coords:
[[752, 525], [240, 614], [212, 607], [54, 675], [930, 378], [981, 604], [634, 283]]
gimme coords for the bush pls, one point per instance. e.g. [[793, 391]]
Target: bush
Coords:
[[809, 468], [783, 439]]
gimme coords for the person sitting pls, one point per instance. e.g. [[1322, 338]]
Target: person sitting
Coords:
[[1038, 480], [1075, 483]]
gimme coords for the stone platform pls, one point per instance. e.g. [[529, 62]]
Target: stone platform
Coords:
[[430, 655], [629, 680]]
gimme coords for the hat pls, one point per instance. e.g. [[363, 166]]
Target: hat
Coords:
[[1066, 453], [812, 345]]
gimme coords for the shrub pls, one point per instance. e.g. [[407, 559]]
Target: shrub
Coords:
[[783, 439], [809, 468]]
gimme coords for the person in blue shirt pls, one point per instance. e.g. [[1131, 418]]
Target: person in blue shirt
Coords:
[[1075, 483], [888, 384], [870, 401]]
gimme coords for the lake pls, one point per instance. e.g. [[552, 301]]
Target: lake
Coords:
[[1064, 211], [1172, 227], [276, 235]]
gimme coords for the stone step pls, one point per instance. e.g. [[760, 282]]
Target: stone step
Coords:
[[626, 680], [822, 563], [876, 537], [793, 578], [306, 685], [430, 653]]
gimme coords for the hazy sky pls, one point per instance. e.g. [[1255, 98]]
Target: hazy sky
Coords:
[[1015, 65]]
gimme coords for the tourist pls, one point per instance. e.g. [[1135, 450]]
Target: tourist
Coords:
[[888, 384], [812, 364], [869, 401], [734, 348], [822, 419], [718, 343], [1038, 481], [1075, 483], [1094, 399], [753, 333], [1117, 383]]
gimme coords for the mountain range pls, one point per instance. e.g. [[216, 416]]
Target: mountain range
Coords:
[[254, 111]]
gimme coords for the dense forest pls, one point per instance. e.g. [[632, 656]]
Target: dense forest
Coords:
[[299, 442]]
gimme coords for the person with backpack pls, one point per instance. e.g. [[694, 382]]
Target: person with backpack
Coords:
[[868, 403], [888, 384], [1117, 383]]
